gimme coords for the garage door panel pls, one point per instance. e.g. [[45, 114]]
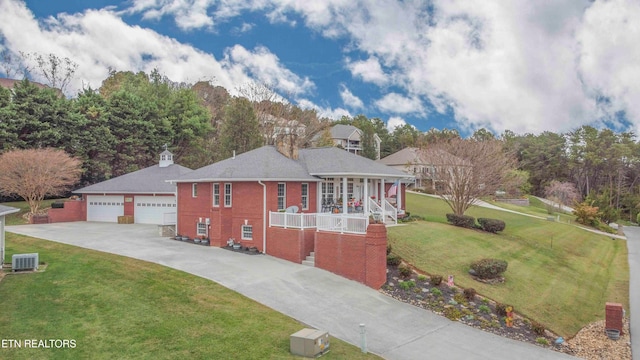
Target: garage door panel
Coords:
[[155, 210], [105, 208]]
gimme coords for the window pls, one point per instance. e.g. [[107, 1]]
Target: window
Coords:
[[202, 229], [305, 196], [194, 189], [327, 191], [282, 197], [247, 232], [216, 194], [227, 194]]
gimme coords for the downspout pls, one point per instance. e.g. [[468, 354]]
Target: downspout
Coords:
[[264, 216]]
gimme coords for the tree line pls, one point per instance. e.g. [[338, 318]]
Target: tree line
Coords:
[[123, 125]]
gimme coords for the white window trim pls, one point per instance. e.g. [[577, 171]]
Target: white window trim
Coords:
[[303, 196], [229, 194], [242, 232], [284, 196], [216, 197], [194, 190], [198, 227]]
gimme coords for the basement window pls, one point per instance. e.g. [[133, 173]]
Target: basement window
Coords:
[[247, 232]]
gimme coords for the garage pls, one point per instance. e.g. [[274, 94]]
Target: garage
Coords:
[[105, 208], [159, 210]]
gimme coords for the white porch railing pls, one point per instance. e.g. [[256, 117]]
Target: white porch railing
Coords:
[[391, 211], [343, 223], [292, 220]]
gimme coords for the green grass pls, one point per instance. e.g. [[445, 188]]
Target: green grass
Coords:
[[120, 308], [558, 274]]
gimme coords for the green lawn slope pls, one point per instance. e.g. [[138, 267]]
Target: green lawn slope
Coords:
[[115, 307], [558, 274]]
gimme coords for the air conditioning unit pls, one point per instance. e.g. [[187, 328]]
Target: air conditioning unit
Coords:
[[309, 343], [24, 262]]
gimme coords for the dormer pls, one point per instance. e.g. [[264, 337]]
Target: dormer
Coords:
[[166, 158]]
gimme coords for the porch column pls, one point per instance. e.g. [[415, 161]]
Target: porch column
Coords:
[[345, 200], [365, 199], [382, 197], [319, 196], [399, 195]]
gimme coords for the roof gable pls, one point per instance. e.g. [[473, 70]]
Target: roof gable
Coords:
[[331, 161]]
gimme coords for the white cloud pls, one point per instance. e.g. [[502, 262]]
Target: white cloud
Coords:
[[265, 67], [326, 112], [399, 104], [394, 122], [350, 100], [99, 39], [368, 70], [609, 56]]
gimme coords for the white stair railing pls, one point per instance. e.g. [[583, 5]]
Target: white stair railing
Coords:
[[391, 211]]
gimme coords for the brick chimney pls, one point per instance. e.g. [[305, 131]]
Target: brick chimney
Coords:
[[287, 146]]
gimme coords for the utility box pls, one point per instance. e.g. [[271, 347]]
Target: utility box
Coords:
[[125, 219], [309, 343]]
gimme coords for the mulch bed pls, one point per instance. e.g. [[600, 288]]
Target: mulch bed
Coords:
[[244, 250], [480, 312]]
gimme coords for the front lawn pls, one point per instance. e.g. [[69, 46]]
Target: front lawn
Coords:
[[558, 274], [120, 308]]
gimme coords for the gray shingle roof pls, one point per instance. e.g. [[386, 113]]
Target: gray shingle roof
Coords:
[[151, 180], [264, 163], [6, 210], [332, 161], [403, 157], [340, 131]]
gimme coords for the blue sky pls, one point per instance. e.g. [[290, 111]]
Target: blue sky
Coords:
[[519, 65]]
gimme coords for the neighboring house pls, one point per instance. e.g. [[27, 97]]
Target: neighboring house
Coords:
[[349, 138], [4, 210], [144, 195], [425, 165], [275, 128], [237, 198]]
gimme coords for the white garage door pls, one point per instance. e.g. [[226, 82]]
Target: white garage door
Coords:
[[105, 208], [159, 210]]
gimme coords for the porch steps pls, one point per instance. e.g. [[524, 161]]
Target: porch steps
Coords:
[[310, 260]]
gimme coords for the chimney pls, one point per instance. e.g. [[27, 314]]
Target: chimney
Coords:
[[287, 147]]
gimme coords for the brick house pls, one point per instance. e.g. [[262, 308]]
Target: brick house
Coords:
[[317, 203]]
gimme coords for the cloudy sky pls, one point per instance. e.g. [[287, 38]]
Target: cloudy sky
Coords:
[[521, 65]]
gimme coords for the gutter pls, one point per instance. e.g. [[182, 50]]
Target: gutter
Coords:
[[264, 216]]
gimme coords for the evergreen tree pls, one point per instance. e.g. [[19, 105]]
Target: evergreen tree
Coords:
[[240, 130]]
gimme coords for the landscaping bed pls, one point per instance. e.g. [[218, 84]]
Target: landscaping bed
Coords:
[[485, 314], [479, 312]]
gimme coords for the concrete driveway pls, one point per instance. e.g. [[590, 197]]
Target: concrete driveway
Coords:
[[633, 245], [312, 296]]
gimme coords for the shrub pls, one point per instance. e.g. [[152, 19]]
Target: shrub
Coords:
[[537, 328], [460, 299], [491, 225], [57, 205], [464, 221], [422, 278], [393, 260], [469, 293], [542, 341], [484, 309], [452, 313], [436, 292], [489, 268], [435, 280], [407, 285], [501, 309], [389, 249], [405, 271]]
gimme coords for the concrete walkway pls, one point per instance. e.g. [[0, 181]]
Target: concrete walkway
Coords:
[[633, 246], [312, 296]]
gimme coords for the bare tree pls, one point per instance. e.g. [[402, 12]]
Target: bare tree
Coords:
[[464, 170], [562, 193], [58, 72], [35, 173]]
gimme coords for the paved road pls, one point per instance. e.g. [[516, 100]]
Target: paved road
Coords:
[[312, 296], [633, 245]]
